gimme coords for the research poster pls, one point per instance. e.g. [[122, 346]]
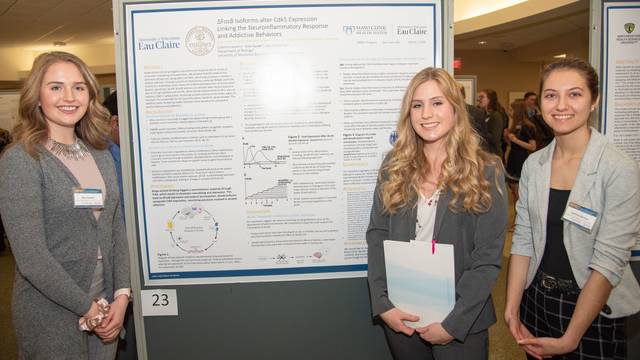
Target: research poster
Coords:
[[621, 76], [621, 80], [259, 127]]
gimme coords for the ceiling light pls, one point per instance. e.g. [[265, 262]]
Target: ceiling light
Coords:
[[59, 43], [482, 42], [560, 56]]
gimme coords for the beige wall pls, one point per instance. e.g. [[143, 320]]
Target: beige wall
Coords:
[[499, 71], [505, 71], [16, 62]]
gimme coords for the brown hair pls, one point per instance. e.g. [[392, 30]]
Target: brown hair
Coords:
[[582, 67], [32, 126], [520, 116], [463, 168]]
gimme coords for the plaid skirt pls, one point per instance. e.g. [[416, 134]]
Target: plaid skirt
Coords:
[[546, 311]]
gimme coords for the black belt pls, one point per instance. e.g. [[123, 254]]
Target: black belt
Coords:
[[552, 283]]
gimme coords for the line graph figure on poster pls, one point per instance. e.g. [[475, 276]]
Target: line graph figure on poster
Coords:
[[265, 157], [193, 229], [270, 195]]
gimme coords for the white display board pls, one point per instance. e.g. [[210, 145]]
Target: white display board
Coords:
[[258, 129], [621, 75], [621, 79]]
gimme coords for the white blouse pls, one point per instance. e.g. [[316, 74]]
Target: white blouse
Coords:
[[426, 216]]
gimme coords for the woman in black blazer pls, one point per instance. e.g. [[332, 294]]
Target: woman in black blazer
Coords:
[[437, 183]]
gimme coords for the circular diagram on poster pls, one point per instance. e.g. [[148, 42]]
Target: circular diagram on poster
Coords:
[[193, 229]]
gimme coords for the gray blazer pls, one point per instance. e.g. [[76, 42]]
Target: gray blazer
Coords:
[[608, 182], [55, 247], [478, 240]]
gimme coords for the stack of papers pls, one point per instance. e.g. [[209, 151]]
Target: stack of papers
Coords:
[[420, 282]]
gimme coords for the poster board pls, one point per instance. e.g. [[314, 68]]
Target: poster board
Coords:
[[226, 306], [621, 75], [614, 52], [259, 128]]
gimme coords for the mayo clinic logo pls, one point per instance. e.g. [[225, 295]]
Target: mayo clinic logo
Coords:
[[365, 29], [200, 40], [629, 27]]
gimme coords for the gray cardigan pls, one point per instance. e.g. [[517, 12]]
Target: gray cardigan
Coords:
[[608, 182], [478, 240], [55, 247]]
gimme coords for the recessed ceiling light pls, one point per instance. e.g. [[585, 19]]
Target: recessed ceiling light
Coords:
[[59, 43], [560, 56], [482, 42]]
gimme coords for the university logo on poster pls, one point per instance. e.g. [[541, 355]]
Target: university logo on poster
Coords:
[[629, 27]]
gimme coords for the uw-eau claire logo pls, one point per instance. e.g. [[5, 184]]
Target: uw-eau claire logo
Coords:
[[629, 27], [200, 40]]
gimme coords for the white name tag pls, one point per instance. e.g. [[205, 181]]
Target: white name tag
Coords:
[[87, 198], [581, 216]]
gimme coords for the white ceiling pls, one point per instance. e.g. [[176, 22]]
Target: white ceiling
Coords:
[[38, 23], [533, 29]]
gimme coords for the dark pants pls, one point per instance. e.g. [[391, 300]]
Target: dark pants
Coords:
[[127, 346], [546, 313], [2, 235], [475, 347]]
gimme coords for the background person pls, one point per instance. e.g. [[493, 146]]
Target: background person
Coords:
[[68, 252], [497, 120], [570, 286], [437, 183], [544, 134], [477, 117], [521, 137]]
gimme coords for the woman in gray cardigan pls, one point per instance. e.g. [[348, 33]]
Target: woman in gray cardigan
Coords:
[[60, 206], [437, 184], [570, 285]]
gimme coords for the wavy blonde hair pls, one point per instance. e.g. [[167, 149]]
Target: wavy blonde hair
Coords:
[[32, 128], [407, 167]]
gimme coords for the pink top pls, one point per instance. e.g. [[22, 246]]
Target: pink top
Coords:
[[87, 174]]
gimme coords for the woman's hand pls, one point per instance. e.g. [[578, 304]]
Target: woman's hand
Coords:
[[546, 346], [110, 327], [394, 319], [435, 334], [91, 318], [505, 135], [93, 311], [520, 332]]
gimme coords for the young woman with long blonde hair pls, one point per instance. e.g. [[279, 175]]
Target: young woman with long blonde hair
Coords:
[[438, 184]]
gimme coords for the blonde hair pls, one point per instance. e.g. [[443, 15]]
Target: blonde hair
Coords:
[[32, 126], [463, 168]]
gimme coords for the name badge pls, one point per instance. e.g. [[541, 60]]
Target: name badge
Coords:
[[87, 198], [581, 216]]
